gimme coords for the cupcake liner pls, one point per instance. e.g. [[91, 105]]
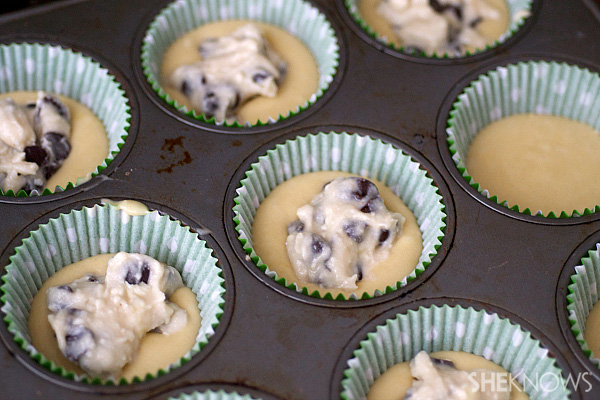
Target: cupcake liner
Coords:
[[297, 17], [33, 67], [212, 395], [350, 153], [100, 229], [536, 87], [518, 12], [583, 295], [456, 329]]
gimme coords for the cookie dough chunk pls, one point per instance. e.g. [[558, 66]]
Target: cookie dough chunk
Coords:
[[99, 321], [436, 379], [233, 70], [438, 26], [341, 234], [34, 142]]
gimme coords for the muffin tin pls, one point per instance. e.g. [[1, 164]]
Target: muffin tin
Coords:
[[271, 341]]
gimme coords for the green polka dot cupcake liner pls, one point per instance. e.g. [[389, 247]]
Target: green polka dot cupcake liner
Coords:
[[582, 296], [351, 153], [57, 70], [102, 229], [214, 395], [531, 87], [454, 328], [518, 12], [297, 17]]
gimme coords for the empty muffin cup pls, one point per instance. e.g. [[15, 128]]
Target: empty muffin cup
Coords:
[[104, 229], [533, 170], [349, 153], [297, 18], [414, 27], [56, 70], [454, 328]]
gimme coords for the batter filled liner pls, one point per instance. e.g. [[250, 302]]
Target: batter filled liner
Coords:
[[300, 82], [540, 162], [269, 233], [89, 142], [156, 351]]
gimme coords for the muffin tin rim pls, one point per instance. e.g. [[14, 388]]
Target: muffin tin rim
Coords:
[[443, 191], [227, 303], [144, 84], [443, 117], [360, 334]]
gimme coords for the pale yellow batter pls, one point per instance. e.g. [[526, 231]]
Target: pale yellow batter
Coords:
[[491, 30], [156, 350], [540, 162], [89, 142], [300, 83], [269, 233], [592, 330], [393, 383]]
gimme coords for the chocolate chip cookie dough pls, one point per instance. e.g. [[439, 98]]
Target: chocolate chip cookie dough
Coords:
[[279, 210], [446, 375], [286, 63], [74, 304], [58, 141], [438, 27]]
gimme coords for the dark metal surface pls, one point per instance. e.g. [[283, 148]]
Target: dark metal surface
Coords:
[[271, 342]]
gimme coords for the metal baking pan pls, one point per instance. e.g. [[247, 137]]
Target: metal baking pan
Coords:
[[273, 342]]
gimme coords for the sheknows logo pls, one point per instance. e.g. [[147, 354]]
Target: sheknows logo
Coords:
[[547, 382]]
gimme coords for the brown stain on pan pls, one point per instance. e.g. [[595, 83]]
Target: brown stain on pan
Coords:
[[175, 151]]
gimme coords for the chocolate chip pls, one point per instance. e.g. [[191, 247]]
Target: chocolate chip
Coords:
[[363, 188], [56, 145], [30, 105], [355, 230], [457, 11], [79, 340], [384, 234], [62, 110], [92, 278], [137, 274], [296, 226], [359, 271], [185, 89], [260, 76], [370, 207], [66, 288], [437, 7], [439, 361], [317, 245], [35, 154], [473, 24]]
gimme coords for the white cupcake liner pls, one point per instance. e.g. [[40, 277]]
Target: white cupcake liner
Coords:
[[350, 153], [536, 87], [297, 17], [33, 67], [101, 229], [454, 328]]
